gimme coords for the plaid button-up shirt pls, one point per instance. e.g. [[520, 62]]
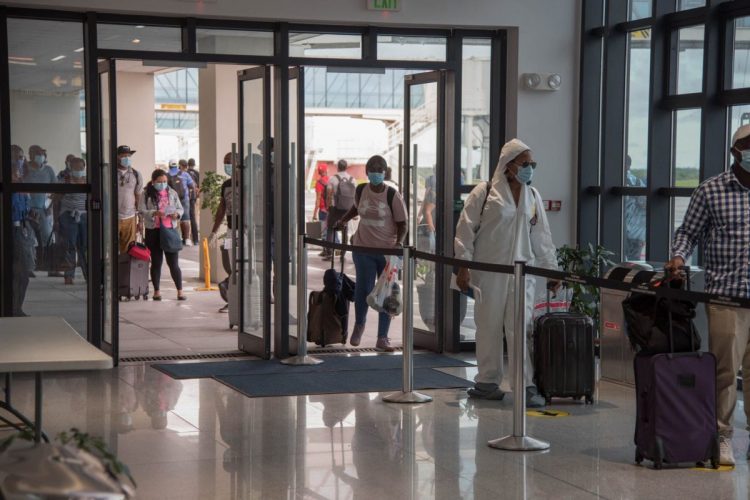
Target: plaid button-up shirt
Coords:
[[719, 217]]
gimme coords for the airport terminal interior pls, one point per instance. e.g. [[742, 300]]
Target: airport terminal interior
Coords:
[[275, 250]]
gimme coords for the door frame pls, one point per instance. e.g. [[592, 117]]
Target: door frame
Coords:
[[105, 161], [246, 342], [433, 341]]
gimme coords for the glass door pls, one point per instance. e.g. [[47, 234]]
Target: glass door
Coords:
[[251, 234], [424, 153], [110, 341]]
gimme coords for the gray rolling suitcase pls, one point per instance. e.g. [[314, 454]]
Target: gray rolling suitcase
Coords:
[[132, 275]]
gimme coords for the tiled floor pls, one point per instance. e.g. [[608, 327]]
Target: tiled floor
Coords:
[[198, 439]]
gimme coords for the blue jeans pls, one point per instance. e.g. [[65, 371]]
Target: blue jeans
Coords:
[[368, 267], [75, 235]]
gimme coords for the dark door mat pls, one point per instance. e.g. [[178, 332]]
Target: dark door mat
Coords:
[[295, 383], [330, 364]]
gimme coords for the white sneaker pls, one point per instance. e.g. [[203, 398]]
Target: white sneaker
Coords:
[[726, 453], [188, 242]]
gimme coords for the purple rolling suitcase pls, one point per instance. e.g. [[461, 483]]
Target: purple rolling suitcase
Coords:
[[676, 407]]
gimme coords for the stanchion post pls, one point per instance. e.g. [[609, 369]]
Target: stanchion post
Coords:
[[301, 358], [408, 395], [519, 441]]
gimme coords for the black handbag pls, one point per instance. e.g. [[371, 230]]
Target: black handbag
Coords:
[[54, 256], [170, 239]]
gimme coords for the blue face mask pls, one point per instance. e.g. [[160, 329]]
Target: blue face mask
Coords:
[[525, 174], [173, 170], [228, 169], [125, 161], [745, 162], [160, 186], [78, 173], [39, 160], [376, 178]]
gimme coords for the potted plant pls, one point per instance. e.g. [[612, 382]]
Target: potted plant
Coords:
[[211, 191], [589, 261]]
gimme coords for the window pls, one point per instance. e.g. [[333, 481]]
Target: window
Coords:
[[139, 37], [251, 43], [411, 48], [690, 4], [639, 79], [639, 9], [690, 60], [686, 148], [475, 110], [741, 56], [325, 45], [634, 228], [679, 208]]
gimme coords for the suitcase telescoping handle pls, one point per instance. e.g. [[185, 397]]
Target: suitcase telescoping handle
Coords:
[[344, 232], [549, 296]]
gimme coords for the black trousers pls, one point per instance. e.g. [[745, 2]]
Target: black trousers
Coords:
[[193, 222], [153, 242]]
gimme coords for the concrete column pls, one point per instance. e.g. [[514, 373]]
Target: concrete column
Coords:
[[218, 129], [136, 119]]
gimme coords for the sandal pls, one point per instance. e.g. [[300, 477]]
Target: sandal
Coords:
[[156, 297]]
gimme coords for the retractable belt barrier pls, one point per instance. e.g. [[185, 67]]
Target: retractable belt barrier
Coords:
[[518, 440]]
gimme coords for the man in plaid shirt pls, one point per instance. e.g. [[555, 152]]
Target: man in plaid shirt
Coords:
[[718, 217]]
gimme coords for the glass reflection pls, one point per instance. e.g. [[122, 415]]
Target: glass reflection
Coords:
[[475, 110], [690, 59], [637, 107], [634, 228]]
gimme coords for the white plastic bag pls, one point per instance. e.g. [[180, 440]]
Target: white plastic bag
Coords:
[[558, 302], [386, 295]]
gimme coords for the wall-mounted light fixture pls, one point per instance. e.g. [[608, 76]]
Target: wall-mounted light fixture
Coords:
[[541, 81]]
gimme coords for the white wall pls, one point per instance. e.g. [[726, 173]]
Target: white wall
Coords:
[[548, 42], [135, 118]]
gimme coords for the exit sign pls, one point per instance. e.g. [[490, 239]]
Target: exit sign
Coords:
[[387, 5]]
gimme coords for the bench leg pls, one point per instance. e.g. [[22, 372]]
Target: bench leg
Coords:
[[38, 408]]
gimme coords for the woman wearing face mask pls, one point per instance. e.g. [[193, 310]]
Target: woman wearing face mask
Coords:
[[503, 221], [161, 206], [382, 224], [224, 210], [74, 220]]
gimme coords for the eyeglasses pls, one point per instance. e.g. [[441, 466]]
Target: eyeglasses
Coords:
[[525, 164]]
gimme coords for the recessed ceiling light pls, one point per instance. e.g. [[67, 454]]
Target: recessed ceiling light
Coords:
[[139, 26], [58, 58], [136, 40], [79, 50]]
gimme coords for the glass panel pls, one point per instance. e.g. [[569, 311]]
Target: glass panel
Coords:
[[475, 110], [690, 4], [423, 136], [293, 229], [108, 251], [639, 78], [679, 207], [47, 101], [252, 180], [634, 228], [468, 327], [325, 45], [741, 66], [411, 48], [139, 37], [251, 43], [687, 148], [690, 59], [51, 265], [639, 9]]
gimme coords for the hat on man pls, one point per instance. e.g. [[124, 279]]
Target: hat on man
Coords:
[[741, 133], [125, 150]]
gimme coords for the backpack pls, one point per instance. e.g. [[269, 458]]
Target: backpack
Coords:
[[176, 183], [391, 194], [343, 198], [324, 326]]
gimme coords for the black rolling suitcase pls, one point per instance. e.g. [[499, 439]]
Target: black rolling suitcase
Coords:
[[564, 360], [676, 405], [132, 275]]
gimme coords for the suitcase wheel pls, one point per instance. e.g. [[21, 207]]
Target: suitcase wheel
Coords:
[[137, 297], [589, 399], [638, 458], [145, 296], [657, 464]]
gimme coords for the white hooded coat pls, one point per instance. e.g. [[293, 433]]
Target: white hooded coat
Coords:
[[502, 234]]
